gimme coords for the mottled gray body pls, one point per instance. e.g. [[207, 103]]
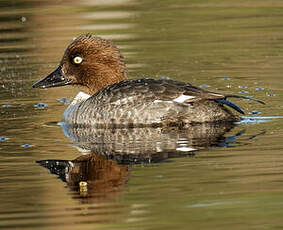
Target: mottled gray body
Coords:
[[149, 102]]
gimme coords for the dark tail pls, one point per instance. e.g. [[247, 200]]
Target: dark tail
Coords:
[[248, 98], [234, 106]]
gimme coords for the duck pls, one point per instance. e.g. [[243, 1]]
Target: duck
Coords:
[[110, 100]]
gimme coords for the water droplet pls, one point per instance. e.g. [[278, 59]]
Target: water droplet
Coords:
[[159, 176], [242, 87], [65, 100], [40, 105], [165, 77], [3, 138], [6, 105], [26, 145], [270, 94], [225, 78], [254, 112], [23, 19], [204, 86], [259, 89], [243, 91]]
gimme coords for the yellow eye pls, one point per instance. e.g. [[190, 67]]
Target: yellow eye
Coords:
[[77, 60]]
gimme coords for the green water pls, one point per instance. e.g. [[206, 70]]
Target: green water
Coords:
[[227, 46]]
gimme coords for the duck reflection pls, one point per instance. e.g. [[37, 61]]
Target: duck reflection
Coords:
[[103, 171], [92, 176], [139, 144]]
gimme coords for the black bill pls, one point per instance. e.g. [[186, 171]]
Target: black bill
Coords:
[[55, 79]]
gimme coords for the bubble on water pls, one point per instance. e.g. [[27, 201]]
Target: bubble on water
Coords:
[[225, 78], [254, 112], [23, 19], [40, 105], [204, 86], [259, 89], [270, 94], [242, 87], [228, 86], [3, 138], [26, 145], [243, 91]]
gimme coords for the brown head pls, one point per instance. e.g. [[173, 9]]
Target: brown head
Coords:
[[90, 62]]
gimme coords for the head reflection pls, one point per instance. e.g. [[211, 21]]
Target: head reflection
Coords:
[[92, 176]]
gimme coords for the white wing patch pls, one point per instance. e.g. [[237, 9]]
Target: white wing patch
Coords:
[[80, 97], [180, 99], [185, 149], [183, 98], [157, 101]]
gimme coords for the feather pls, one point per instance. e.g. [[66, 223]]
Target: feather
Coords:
[[249, 98], [232, 105]]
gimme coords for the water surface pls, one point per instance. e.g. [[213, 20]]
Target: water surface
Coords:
[[233, 181]]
